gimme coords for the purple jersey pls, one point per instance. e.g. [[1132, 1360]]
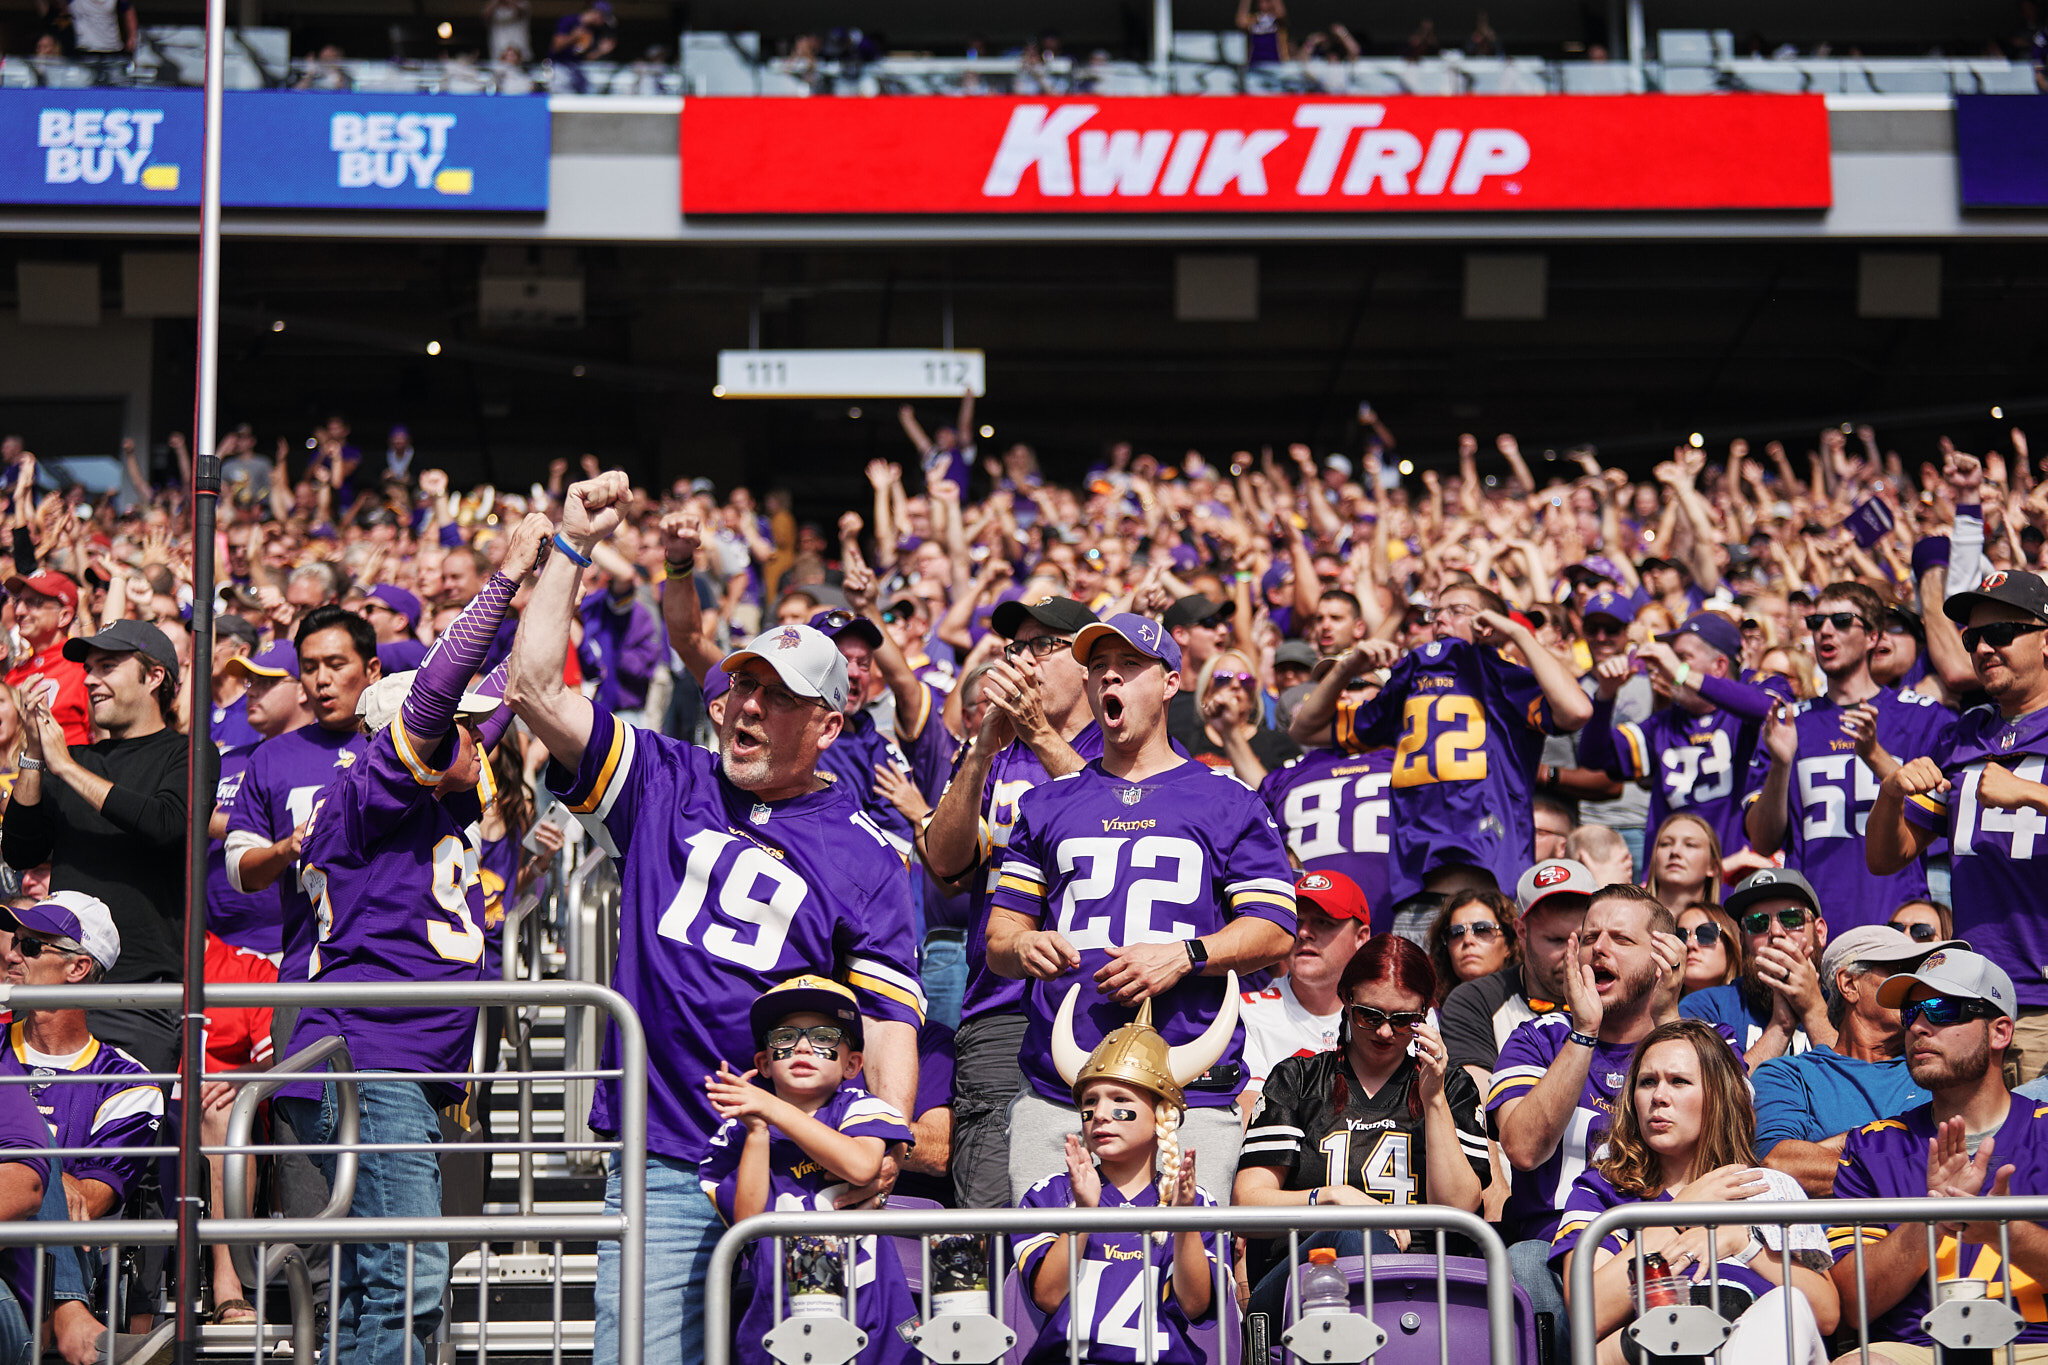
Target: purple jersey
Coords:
[[285, 777], [231, 727], [1336, 810], [724, 896], [1108, 862], [1591, 1195], [799, 1184], [1535, 1197], [24, 1136], [498, 869], [1998, 898], [927, 745], [393, 875], [1016, 770], [1703, 765], [110, 1113], [1115, 1270], [852, 760], [247, 919], [1830, 797], [1888, 1160], [1467, 728]]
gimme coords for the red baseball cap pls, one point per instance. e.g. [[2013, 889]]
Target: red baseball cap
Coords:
[[1335, 894], [48, 583]]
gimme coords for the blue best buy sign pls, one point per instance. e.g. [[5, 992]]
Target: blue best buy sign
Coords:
[[281, 149]]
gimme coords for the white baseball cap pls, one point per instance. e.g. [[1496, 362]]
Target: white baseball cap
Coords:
[[806, 660], [1554, 877], [1954, 971], [381, 700], [83, 919]]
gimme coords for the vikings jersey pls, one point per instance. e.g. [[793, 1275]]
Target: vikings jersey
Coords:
[[1110, 862], [1830, 797], [24, 1136], [1592, 1194], [392, 871], [247, 919], [1336, 811], [111, 1112], [1467, 728], [852, 759], [1016, 770], [1702, 765], [1535, 1197], [1118, 1271], [285, 777], [798, 1184], [2000, 896], [498, 870], [724, 896], [927, 746], [1888, 1160]]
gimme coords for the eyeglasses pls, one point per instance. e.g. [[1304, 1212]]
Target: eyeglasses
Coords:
[[1039, 647], [1758, 921], [1109, 1115], [1919, 933], [1400, 1021], [1705, 935], [901, 612], [773, 698], [824, 1038], [1480, 929], [1212, 623], [1840, 620], [1942, 1012], [1451, 609], [1999, 634], [1244, 680]]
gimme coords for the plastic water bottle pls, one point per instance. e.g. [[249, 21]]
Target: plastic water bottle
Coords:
[[1323, 1287]]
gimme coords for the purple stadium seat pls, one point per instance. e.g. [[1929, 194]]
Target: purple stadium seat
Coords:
[[907, 1247], [1406, 1285]]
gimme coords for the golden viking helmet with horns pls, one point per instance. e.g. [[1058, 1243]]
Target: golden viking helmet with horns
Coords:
[[1138, 1055]]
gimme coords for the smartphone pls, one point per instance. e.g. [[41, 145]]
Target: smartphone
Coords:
[[532, 842]]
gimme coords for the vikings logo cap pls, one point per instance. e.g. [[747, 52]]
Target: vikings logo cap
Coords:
[[806, 660], [1142, 633]]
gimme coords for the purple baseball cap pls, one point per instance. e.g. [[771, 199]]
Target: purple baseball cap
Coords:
[[838, 621], [398, 599], [1611, 605], [1142, 633], [717, 683], [1718, 632], [1594, 566]]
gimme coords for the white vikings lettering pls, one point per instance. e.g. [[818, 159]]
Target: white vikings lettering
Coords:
[[385, 149], [1132, 164], [94, 145]]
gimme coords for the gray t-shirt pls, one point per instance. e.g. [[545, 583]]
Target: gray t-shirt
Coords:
[[1630, 810]]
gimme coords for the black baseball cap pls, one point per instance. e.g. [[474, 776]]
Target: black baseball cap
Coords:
[[1771, 881], [231, 627], [1196, 608], [1299, 653], [2011, 587], [128, 637], [1061, 615]]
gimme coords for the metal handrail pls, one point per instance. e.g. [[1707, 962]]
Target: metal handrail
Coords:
[[1791, 1213], [520, 1027], [1239, 1219]]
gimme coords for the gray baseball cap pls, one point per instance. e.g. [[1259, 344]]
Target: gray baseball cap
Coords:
[[1552, 877], [1877, 944]]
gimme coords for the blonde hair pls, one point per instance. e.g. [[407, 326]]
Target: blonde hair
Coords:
[[1711, 892]]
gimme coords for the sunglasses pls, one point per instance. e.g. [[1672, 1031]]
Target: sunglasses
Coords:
[[1705, 935], [1758, 921], [1919, 933], [1479, 928], [1400, 1021], [1244, 680], [1942, 1012], [1109, 1115], [1840, 620], [1600, 630], [825, 1039], [31, 946], [1041, 647], [1999, 634]]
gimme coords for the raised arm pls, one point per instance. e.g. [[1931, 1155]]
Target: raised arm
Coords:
[[444, 675], [1570, 707], [560, 718], [681, 611]]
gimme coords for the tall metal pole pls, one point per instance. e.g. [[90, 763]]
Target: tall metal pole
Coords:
[[203, 760]]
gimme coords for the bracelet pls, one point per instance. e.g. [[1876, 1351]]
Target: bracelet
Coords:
[[1584, 1039], [675, 570], [1684, 672], [579, 560], [1314, 1195]]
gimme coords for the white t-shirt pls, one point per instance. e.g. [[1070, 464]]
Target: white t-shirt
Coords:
[[1277, 1026], [96, 25]]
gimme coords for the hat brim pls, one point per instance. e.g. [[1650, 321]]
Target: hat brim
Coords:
[[246, 665], [1958, 608], [1897, 987], [1086, 637], [27, 918], [781, 1004]]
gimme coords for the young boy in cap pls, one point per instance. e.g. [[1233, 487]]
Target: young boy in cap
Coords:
[[801, 1144]]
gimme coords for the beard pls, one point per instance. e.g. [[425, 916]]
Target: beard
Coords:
[[1963, 1066], [1636, 989]]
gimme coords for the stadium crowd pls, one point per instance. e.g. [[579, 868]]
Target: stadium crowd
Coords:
[[1275, 830]]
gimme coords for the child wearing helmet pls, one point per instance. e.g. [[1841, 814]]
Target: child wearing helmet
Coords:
[[1129, 1092]]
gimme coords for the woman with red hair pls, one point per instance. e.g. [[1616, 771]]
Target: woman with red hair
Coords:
[[1382, 1119]]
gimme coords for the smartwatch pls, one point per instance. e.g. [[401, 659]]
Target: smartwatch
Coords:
[[1198, 954]]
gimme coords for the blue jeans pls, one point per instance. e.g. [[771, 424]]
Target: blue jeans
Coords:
[[13, 1330], [1529, 1262], [943, 970], [1270, 1295], [388, 1185], [1633, 837], [682, 1228]]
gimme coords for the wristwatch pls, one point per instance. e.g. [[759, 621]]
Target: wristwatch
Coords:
[[30, 765], [1750, 1252], [1198, 954]]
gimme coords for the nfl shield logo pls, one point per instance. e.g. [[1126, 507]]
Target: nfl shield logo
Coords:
[[2005, 741], [759, 814], [1131, 796]]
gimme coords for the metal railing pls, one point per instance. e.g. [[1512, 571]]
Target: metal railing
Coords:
[[590, 948], [519, 1030], [332, 1227], [1220, 1221], [1857, 1214]]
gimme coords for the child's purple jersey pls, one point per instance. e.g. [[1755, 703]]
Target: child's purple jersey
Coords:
[[108, 1114], [247, 919], [1535, 1197], [1830, 797], [392, 870], [798, 1184], [1014, 771], [1467, 728], [724, 896], [1888, 1160], [283, 781], [2000, 897], [1702, 765], [1114, 1269], [1108, 862], [1336, 810]]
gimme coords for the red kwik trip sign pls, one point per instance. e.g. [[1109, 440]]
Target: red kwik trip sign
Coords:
[[1255, 154]]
